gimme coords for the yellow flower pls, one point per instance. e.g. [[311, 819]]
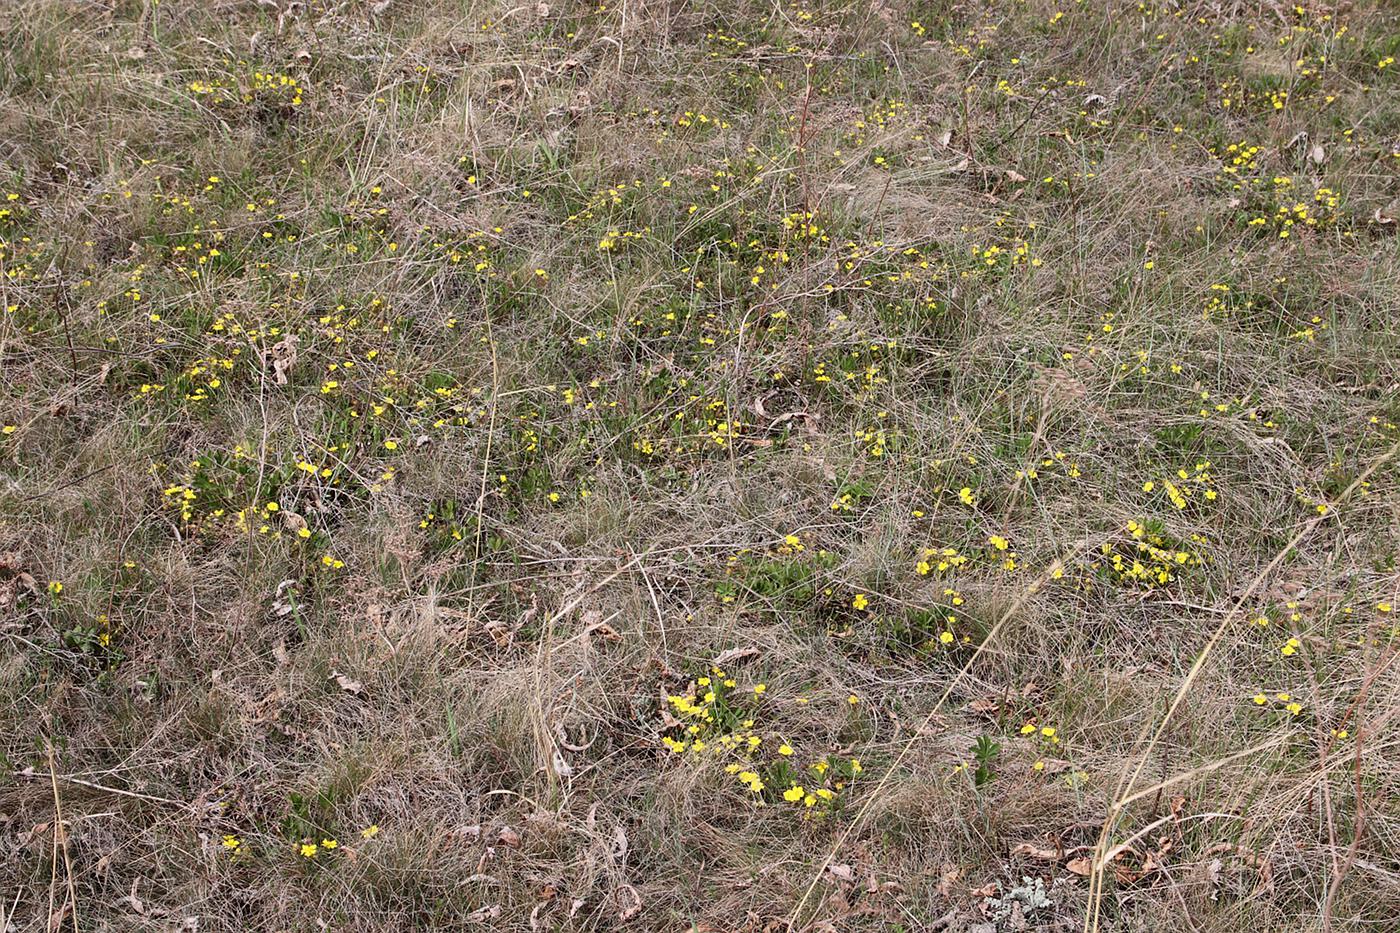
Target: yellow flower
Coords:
[[784, 749], [309, 849], [794, 794], [860, 602], [369, 832]]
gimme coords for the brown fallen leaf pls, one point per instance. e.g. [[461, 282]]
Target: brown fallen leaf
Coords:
[[1213, 868], [138, 906], [605, 631], [1157, 859], [348, 684], [1042, 854], [841, 872], [629, 902], [1125, 873], [1037, 853], [284, 357], [949, 877], [734, 654]]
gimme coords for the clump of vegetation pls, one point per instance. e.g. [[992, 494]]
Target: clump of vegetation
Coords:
[[721, 467]]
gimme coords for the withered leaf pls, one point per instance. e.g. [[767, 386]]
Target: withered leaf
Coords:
[[348, 684], [284, 357], [841, 872], [629, 902]]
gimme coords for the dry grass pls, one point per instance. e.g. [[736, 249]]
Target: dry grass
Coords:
[[413, 410]]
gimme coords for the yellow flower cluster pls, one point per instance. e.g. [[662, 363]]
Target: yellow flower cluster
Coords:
[[715, 720]]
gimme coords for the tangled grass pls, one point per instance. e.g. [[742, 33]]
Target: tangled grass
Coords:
[[715, 467]]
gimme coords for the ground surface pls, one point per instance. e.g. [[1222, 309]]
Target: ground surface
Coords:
[[728, 467]]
